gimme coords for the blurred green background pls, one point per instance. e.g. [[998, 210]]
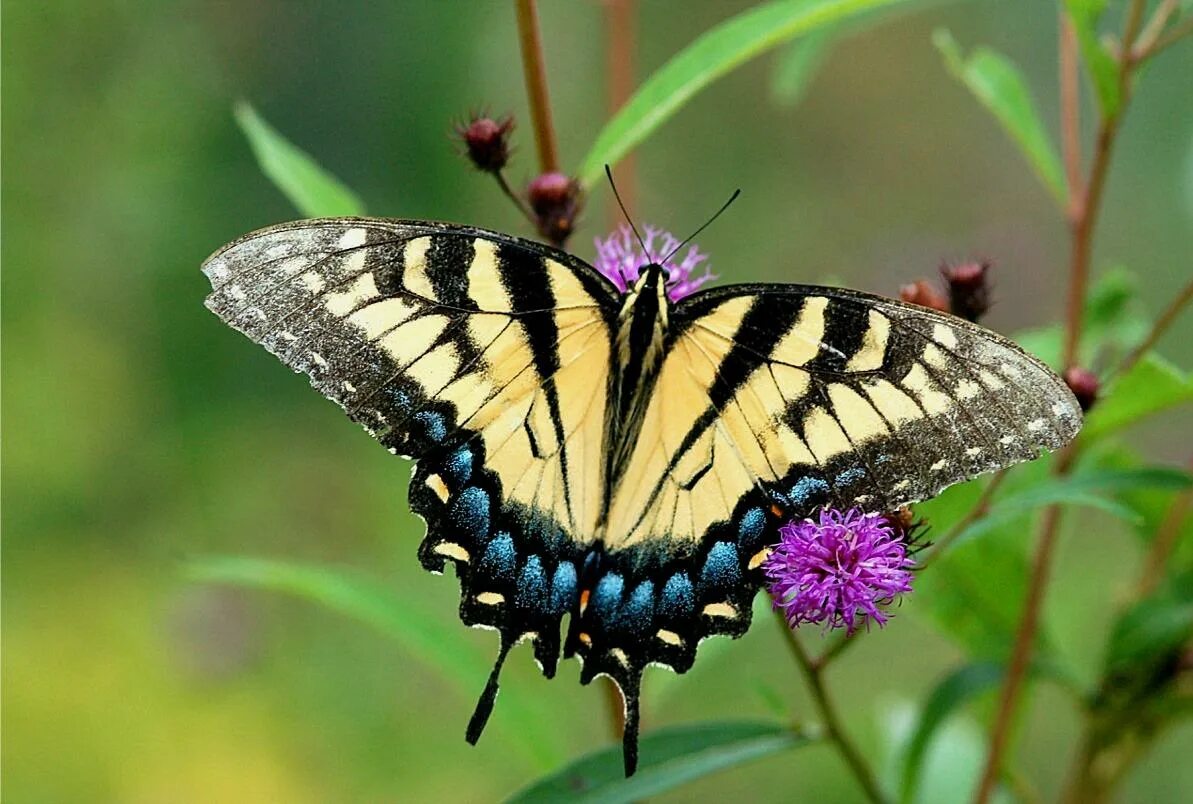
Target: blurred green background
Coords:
[[140, 432]]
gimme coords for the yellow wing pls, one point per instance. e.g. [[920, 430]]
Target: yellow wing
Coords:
[[771, 402], [484, 357], [825, 396]]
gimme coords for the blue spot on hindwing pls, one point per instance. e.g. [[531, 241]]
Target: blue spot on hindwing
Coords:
[[457, 467], [432, 425], [751, 529], [470, 513], [850, 476], [500, 559], [563, 588], [721, 567], [397, 399], [809, 490], [639, 609], [532, 586], [606, 598], [677, 600]]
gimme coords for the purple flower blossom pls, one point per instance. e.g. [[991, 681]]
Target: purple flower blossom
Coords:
[[838, 570], [620, 258]]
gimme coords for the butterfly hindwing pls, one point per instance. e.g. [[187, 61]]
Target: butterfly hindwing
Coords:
[[484, 357]]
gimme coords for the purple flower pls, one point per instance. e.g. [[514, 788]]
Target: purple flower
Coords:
[[838, 570], [620, 258]]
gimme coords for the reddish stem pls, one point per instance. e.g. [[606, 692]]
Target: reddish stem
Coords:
[[535, 71]]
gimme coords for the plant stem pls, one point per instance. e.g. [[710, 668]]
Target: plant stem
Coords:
[[1175, 35], [512, 196], [1159, 328], [1167, 535], [1154, 28], [813, 672], [1070, 115], [1085, 202], [1025, 638], [535, 71], [977, 512]]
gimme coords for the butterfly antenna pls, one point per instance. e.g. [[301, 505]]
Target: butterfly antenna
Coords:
[[633, 228], [707, 223]]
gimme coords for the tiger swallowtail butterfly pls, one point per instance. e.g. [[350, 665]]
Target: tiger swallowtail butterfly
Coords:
[[624, 459]]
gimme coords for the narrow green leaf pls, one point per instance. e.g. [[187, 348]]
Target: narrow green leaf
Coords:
[[1103, 69], [311, 189], [398, 617], [1153, 627], [668, 759], [799, 63], [999, 86], [1151, 386], [712, 55], [954, 690], [1079, 489]]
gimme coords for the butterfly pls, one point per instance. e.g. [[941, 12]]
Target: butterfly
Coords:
[[624, 459]]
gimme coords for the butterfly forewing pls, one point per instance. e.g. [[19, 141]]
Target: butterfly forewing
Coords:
[[827, 397], [775, 400], [484, 357]]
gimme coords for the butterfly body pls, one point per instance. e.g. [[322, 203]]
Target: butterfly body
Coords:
[[640, 347], [624, 460]]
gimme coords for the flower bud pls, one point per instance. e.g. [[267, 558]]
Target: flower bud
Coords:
[[487, 142], [969, 290], [555, 201], [1084, 385], [922, 293]]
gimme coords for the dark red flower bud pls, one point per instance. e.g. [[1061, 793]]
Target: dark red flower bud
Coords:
[[1084, 385], [487, 141], [555, 200], [969, 290], [922, 293]]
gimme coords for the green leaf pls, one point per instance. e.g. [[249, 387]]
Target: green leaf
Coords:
[[398, 617], [712, 55], [1103, 69], [1080, 490], [669, 758], [974, 590], [954, 690], [1115, 319], [798, 64], [311, 189], [999, 86], [1151, 386], [1153, 627]]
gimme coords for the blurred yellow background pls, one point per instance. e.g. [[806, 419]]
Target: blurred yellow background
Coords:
[[140, 432]]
